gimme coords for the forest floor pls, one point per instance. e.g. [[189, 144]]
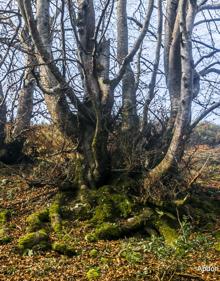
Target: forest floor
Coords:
[[127, 259]]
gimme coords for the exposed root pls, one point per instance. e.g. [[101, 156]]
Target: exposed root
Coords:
[[63, 249], [4, 237], [39, 238], [36, 220], [55, 214]]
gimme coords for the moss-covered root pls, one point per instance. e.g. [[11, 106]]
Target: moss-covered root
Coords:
[[4, 237], [38, 239], [36, 220], [106, 231], [109, 231], [55, 214], [63, 249], [168, 232]]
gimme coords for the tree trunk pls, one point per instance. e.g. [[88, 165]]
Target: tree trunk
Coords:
[[92, 134], [185, 17], [25, 102], [3, 111], [129, 107]]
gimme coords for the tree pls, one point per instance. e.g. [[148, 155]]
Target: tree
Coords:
[[92, 122], [98, 88], [182, 81], [12, 146]]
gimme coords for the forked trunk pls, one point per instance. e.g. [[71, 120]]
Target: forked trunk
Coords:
[[185, 16]]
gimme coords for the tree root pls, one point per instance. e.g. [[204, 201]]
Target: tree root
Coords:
[[39, 238], [4, 237]]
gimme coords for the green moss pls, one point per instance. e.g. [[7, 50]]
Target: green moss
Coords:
[[63, 249], [99, 196], [93, 253], [217, 246], [35, 221], [32, 239], [109, 205], [131, 256], [169, 233], [217, 235], [93, 273], [103, 212], [104, 260], [3, 217], [123, 204], [4, 238], [55, 214], [91, 237], [105, 231], [81, 211], [124, 183]]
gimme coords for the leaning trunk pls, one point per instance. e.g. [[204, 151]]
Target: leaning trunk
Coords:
[[183, 118]]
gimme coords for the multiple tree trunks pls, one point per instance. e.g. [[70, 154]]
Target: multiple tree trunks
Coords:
[[88, 119], [179, 73]]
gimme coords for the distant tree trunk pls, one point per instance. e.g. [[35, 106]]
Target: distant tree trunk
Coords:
[[129, 107], [10, 152], [25, 102]]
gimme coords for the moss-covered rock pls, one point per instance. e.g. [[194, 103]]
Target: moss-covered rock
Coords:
[[36, 220], [63, 249], [39, 238]]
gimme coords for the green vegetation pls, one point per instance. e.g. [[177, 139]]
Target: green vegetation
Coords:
[[206, 133], [38, 238], [93, 273], [4, 237], [55, 214], [93, 253], [63, 249], [36, 220]]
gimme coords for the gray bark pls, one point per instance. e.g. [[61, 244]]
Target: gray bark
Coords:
[[129, 107], [3, 111], [25, 102], [185, 15], [57, 104], [172, 60]]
